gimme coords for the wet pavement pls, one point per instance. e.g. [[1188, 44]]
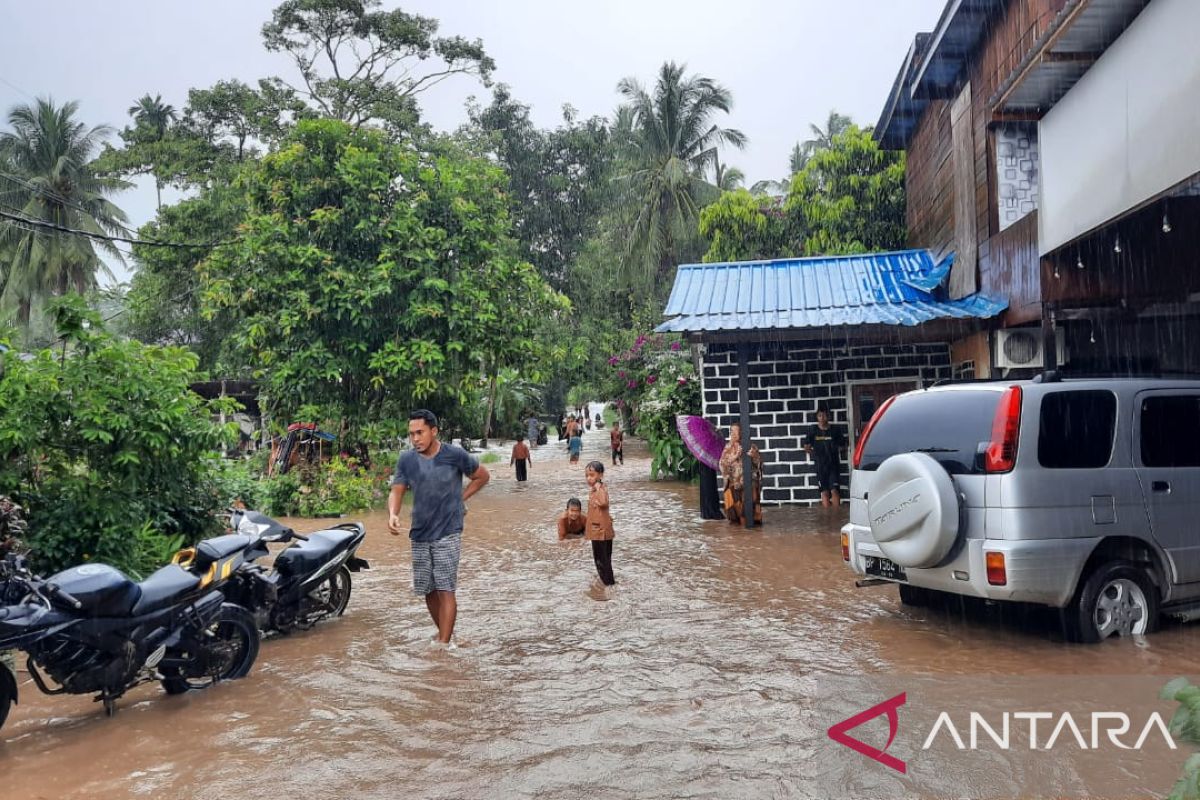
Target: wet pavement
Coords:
[[712, 669]]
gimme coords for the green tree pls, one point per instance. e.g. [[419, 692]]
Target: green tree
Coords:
[[675, 142], [742, 226], [559, 180], [152, 117], [359, 64], [849, 198], [371, 276], [103, 444], [49, 179], [163, 302]]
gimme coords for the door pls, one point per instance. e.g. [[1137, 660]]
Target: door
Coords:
[[1167, 457], [865, 398]]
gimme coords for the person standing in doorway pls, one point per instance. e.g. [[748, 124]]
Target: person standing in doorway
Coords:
[[521, 458], [435, 472], [617, 439], [824, 445], [599, 522]]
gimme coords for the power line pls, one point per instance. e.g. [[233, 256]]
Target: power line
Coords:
[[46, 191], [51, 226]]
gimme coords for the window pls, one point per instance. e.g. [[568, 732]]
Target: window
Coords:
[[950, 426], [1076, 429], [1171, 431]]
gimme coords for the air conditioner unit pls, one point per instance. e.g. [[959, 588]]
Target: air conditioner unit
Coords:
[[1022, 347]]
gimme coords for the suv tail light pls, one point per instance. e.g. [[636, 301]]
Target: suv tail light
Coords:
[[1001, 453], [845, 547], [997, 575], [862, 440]]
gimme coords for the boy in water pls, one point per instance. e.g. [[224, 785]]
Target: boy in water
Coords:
[[824, 443], [617, 439], [575, 446], [572, 522], [522, 458]]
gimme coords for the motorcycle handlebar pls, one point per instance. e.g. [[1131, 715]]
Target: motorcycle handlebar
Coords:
[[64, 596]]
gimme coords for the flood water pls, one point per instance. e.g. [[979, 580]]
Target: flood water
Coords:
[[713, 669]]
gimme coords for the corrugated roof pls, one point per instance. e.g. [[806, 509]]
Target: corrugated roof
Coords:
[[871, 289]]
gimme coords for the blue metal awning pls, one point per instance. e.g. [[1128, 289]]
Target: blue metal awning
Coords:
[[900, 288]]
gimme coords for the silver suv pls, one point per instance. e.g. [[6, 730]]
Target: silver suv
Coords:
[[1083, 495]]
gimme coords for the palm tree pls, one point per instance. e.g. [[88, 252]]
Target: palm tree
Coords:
[[48, 181], [674, 143], [727, 178], [822, 139], [153, 116]]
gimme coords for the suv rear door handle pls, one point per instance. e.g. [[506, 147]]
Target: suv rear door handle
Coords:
[[1160, 486]]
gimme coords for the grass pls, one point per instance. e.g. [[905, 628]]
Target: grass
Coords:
[[489, 458], [610, 416]]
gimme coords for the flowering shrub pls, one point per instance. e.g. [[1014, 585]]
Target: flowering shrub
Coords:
[[650, 383]]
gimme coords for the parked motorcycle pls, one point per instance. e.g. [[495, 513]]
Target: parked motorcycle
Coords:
[[92, 629], [309, 581]]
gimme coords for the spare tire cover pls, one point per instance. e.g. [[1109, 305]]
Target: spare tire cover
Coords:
[[913, 510]]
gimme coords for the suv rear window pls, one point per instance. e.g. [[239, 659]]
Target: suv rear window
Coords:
[[948, 425], [1075, 429]]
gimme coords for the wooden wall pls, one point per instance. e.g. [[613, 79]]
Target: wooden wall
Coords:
[[930, 179]]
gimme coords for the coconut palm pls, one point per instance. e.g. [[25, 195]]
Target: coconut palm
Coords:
[[152, 117], [48, 180], [727, 178], [675, 143], [153, 114]]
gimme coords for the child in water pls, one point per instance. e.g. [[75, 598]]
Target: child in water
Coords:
[[521, 458], [575, 446], [572, 522], [599, 522]]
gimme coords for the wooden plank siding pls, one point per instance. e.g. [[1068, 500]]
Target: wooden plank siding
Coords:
[[1007, 264]]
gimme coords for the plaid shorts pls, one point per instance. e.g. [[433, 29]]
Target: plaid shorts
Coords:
[[435, 564]]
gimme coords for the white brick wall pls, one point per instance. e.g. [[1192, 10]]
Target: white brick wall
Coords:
[[788, 382]]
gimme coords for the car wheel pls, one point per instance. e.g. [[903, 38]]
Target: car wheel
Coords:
[[1116, 599], [916, 596], [913, 510]]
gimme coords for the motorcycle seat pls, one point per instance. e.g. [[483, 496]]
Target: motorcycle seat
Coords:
[[219, 547], [164, 587], [305, 557]]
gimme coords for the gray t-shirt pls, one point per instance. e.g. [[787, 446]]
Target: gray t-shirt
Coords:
[[436, 484]]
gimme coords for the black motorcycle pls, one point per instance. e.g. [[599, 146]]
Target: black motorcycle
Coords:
[[309, 581], [92, 629]]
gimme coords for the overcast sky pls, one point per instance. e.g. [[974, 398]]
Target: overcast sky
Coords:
[[787, 62]]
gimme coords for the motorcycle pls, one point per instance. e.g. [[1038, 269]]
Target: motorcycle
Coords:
[[308, 582], [93, 629]]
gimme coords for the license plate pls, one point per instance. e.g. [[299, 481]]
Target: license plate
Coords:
[[883, 568]]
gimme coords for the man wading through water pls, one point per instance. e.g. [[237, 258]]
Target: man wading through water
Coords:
[[434, 471]]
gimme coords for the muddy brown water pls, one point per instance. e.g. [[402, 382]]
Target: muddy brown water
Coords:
[[713, 670]]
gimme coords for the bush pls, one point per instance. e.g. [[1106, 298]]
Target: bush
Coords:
[[651, 383], [111, 455], [337, 487]]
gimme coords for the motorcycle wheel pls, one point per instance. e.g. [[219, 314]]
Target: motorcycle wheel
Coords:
[[333, 595], [6, 695], [232, 649]]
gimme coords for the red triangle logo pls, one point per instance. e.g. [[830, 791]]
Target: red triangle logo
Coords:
[[889, 707]]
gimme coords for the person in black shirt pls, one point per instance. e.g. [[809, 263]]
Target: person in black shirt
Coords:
[[824, 444]]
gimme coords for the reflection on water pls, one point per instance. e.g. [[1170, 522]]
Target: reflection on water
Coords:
[[712, 670]]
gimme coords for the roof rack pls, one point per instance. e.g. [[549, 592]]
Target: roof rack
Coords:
[[957, 381], [1055, 376]]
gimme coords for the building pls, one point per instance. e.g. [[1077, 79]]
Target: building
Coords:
[[1051, 146], [779, 339], [1053, 188]]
